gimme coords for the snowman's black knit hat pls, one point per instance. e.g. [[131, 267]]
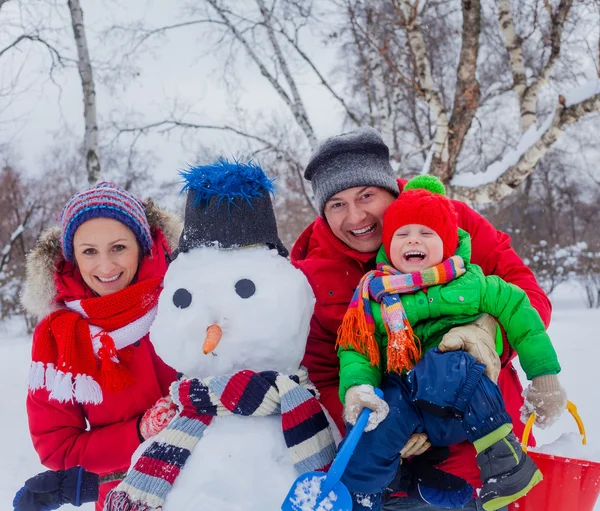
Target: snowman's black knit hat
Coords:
[[228, 206]]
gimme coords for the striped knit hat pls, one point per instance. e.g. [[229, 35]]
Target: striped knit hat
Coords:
[[104, 200]]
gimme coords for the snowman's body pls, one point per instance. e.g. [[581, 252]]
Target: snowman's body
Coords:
[[240, 463]]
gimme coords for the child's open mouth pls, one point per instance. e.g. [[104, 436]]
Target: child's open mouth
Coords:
[[414, 256]]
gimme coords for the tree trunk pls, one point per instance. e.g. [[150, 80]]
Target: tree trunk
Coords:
[[84, 64]]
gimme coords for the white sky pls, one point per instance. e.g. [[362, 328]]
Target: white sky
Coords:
[[172, 70]]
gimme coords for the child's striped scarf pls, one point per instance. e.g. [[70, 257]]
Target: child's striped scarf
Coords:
[[383, 285], [305, 429]]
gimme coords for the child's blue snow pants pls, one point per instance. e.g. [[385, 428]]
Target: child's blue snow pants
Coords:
[[446, 395]]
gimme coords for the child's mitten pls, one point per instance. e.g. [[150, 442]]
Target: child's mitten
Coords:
[[546, 398], [360, 397]]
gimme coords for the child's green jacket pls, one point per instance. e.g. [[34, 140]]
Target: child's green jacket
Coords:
[[462, 300]]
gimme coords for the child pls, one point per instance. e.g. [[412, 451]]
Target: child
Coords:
[[423, 286]]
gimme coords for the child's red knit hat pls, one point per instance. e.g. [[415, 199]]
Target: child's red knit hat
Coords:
[[423, 201]]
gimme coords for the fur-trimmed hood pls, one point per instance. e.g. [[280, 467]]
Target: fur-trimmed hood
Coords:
[[40, 290]]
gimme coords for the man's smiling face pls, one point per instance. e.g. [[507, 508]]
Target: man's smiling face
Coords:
[[355, 216]]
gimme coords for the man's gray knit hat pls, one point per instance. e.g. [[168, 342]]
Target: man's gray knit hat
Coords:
[[357, 158]]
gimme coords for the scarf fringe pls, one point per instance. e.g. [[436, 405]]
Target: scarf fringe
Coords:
[[61, 386], [50, 375], [87, 390], [402, 350], [35, 380], [62, 390], [357, 334]]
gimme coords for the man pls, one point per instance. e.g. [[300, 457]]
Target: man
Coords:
[[353, 184]]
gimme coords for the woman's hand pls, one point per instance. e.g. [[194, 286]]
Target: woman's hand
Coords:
[[477, 339], [157, 418], [51, 489], [360, 397]]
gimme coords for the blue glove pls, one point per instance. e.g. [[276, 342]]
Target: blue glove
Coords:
[[421, 480], [51, 489]]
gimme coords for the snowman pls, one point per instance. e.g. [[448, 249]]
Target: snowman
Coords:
[[233, 317]]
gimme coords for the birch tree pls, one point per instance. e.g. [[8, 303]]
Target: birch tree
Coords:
[[412, 42], [84, 65]]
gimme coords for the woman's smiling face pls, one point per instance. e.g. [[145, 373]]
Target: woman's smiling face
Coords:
[[107, 255]]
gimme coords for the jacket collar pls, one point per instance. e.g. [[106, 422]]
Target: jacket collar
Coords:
[[318, 240]]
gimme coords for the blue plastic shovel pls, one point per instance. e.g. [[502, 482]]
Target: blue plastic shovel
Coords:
[[316, 491]]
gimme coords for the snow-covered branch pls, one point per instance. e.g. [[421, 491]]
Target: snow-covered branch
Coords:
[[500, 181], [527, 94], [89, 92]]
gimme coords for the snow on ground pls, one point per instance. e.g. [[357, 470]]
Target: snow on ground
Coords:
[[574, 330]]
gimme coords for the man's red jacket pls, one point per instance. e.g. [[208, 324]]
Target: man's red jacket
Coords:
[[334, 270]]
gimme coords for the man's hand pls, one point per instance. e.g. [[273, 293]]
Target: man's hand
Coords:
[[416, 444], [477, 339], [360, 397]]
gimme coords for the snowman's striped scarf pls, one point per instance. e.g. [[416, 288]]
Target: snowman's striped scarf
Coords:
[[305, 429]]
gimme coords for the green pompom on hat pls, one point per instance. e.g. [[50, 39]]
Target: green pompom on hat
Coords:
[[426, 182]]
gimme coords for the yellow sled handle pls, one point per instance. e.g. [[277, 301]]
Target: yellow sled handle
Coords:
[[572, 410]]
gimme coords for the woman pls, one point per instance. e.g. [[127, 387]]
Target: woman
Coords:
[[96, 385]]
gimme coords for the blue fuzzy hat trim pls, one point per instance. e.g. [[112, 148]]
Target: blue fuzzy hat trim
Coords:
[[227, 180]]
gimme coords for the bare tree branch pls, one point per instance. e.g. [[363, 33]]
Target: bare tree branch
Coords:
[[298, 110], [351, 115], [146, 34], [295, 105], [89, 92], [515, 175], [54, 53]]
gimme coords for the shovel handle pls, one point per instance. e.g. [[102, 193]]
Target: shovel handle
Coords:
[[334, 474], [572, 410]]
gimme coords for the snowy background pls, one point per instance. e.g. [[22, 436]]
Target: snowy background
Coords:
[[574, 330]]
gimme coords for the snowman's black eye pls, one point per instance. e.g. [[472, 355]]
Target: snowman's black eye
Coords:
[[182, 298], [245, 288]]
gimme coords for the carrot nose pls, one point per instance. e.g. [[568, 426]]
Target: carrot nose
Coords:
[[213, 336]]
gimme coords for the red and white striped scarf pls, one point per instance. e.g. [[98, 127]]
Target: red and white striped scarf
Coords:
[[78, 351]]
